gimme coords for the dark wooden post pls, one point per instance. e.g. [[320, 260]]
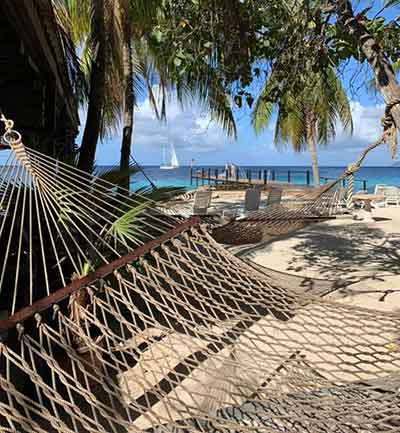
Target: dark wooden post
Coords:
[[202, 176], [191, 175], [273, 175], [308, 177], [209, 176], [216, 176], [288, 176], [259, 174], [227, 175], [249, 176], [364, 185], [237, 174], [265, 176]]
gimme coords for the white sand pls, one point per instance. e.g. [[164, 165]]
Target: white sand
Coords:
[[365, 254]]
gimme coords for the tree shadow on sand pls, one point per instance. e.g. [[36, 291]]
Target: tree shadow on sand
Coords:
[[346, 251]]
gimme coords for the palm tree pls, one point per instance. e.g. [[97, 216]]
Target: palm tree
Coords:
[[306, 119], [94, 31], [118, 64]]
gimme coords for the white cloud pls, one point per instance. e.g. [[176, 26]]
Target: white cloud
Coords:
[[191, 129], [196, 136], [367, 129], [367, 121]]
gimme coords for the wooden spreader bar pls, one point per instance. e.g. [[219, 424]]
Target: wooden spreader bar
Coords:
[[61, 294]]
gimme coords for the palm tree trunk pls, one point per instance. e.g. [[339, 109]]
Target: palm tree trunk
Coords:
[[385, 77], [129, 102], [312, 146], [97, 89]]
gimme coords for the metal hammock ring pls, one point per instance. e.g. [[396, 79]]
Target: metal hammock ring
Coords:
[[12, 137]]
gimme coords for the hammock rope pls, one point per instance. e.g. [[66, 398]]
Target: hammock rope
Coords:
[[317, 205], [165, 330], [183, 357], [59, 223]]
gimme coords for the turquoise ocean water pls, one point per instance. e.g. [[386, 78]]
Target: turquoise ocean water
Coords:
[[181, 177]]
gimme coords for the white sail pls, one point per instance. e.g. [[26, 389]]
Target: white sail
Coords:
[[164, 156], [174, 158], [173, 163]]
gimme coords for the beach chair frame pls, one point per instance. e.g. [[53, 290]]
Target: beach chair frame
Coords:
[[274, 197], [252, 199], [202, 200]]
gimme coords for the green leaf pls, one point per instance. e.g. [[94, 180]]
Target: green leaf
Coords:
[[157, 35], [238, 101], [177, 62], [125, 227], [250, 101]]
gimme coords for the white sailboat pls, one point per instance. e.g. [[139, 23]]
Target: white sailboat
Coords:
[[173, 163]]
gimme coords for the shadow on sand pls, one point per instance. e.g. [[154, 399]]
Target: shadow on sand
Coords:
[[354, 250]]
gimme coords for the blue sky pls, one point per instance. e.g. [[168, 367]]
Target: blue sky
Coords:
[[195, 136]]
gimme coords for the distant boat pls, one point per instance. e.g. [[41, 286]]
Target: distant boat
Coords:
[[174, 163]]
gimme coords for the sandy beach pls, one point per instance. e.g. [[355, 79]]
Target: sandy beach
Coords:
[[366, 255]]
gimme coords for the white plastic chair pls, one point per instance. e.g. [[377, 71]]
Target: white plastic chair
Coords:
[[380, 190], [202, 200], [392, 196]]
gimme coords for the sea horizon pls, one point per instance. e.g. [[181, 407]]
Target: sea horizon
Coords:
[[368, 176]]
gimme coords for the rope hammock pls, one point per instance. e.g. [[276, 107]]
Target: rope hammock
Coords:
[[278, 219], [163, 330], [315, 206]]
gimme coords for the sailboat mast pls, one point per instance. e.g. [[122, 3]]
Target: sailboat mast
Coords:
[[173, 161]]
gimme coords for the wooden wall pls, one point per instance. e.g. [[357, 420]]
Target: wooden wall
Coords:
[[29, 93]]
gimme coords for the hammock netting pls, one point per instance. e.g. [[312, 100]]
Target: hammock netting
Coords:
[[278, 219], [146, 323]]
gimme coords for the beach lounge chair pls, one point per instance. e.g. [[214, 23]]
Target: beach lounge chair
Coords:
[[274, 197], [379, 190], [202, 200], [252, 199], [392, 196]]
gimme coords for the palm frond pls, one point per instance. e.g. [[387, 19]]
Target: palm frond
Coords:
[[262, 112], [342, 103], [390, 3], [125, 228], [207, 91]]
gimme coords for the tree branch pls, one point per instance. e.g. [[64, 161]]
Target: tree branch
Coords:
[[385, 77]]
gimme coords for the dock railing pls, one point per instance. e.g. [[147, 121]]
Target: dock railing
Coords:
[[363, 182], [260, 176]]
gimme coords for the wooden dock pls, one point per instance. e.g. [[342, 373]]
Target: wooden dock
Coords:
[[257, 177]]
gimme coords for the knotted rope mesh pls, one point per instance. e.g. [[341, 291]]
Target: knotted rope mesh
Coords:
[[192, 339], [176, 335]]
